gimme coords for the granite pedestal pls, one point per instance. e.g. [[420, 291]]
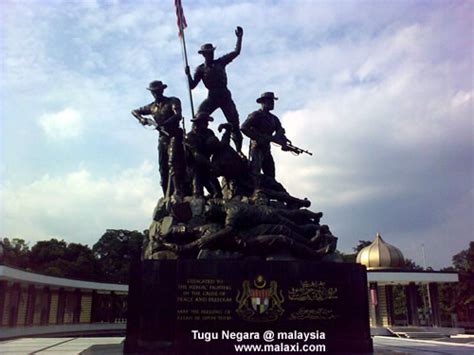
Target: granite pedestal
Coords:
[[212, 306]]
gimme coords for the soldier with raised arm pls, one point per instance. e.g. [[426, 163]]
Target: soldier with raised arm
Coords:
[[166, 116], [212, 73]]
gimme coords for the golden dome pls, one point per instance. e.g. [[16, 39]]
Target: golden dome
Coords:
[[381, 255]]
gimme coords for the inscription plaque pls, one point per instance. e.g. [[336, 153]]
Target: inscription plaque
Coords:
[[169, 299]]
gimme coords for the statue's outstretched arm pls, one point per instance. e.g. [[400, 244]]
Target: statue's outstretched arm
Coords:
[[229, 57], [239, 32]]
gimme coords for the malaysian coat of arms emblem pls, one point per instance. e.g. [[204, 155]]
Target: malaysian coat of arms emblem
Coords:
[[259, 303]]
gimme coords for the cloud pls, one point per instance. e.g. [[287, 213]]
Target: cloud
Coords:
[[79, 206], [392, 137], [62, 125], [379, 93], [461, 98]]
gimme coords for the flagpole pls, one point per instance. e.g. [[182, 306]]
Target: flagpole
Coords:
[[183, 43], [182, 25]]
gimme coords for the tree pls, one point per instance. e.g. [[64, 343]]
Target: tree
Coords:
[[57, 258], [411, 265], [399, 303], [459, 298], [464, 260], [362, 244], [15, 252], [351, 258], [108, 261], [115, 251]]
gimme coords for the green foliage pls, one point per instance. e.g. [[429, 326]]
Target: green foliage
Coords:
[[447, 296], [108, 261], [464, 261], [362, 244], [115, 250], [347, 258], [46, 252], [351, 258], [459, 298], [51, 257], [15, 252], [411, 265], [399, 303], [57, 258]]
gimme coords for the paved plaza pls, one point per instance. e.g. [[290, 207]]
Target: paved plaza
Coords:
[[114, 345]]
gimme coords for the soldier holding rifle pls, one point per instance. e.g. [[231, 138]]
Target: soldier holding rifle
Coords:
[[263, 128], [166, 116]]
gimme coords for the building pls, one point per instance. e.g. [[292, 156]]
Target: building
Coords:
[[32, 304], [385, 265], [35, 304]]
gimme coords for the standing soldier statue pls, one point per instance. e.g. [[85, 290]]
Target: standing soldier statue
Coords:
[[212, 73], [262, 127], [201, 143], [166, 113]]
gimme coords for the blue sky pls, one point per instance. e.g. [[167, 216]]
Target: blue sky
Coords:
[[381, 92]]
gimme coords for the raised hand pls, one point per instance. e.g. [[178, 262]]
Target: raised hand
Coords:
[[239, 32]]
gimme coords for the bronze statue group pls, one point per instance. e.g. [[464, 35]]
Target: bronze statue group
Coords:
[[247, 213]]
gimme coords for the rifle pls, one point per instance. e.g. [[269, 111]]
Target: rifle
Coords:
[[287, 146], [149, 122]]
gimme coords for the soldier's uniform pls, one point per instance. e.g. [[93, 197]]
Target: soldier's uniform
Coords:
[[170, 143], [260, 126], [214, 78], [202, 144], [239, 215]]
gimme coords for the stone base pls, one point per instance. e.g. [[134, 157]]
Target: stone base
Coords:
[[211, 306]]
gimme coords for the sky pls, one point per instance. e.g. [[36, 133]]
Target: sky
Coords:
[[380, 91]]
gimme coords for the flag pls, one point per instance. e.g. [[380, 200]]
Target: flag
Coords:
[[180, 16]]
